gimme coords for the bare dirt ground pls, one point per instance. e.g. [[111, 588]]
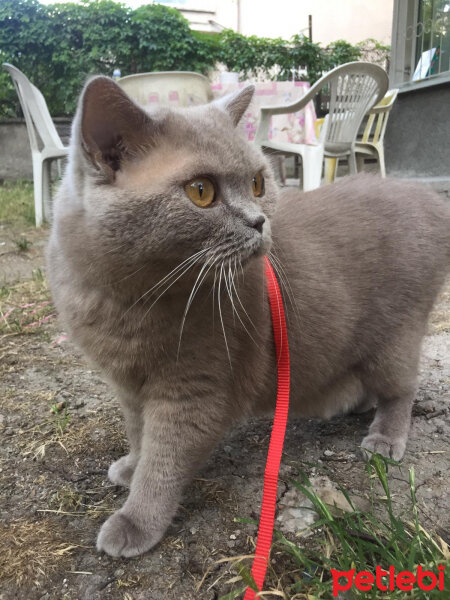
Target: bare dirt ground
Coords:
[[60, 428]]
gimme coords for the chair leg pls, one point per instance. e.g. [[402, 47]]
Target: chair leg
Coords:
[[296, 168], [46, 189], [381, 161], [331, 165], [312, 162], [37, 185], [360, 162], [282, 169], [352, 163]]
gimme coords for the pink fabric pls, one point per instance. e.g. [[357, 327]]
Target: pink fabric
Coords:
[[297, 128]]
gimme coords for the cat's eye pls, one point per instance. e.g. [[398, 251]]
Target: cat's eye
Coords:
[[258, 185], [201, 191]]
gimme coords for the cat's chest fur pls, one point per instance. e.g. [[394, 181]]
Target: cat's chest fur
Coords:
[[153, 347]]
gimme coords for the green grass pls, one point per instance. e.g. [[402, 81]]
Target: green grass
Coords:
[[17, 203], [23, 244], [25, 307], [354, 540]]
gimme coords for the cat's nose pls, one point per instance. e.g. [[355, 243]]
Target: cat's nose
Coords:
[[258, 223]]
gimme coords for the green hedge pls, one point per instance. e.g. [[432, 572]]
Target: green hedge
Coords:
[[59, 45]]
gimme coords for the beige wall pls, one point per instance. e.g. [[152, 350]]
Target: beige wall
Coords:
[[352, 20]]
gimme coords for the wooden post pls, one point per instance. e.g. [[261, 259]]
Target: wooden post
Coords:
[[310, 27]]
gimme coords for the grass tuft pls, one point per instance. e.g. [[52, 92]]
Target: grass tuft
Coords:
[[23, 244], [358, 540], [25, 307], [17, 202], [33, 550]]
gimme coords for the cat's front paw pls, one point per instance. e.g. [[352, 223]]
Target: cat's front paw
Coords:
[[120, 536], [121, 471], [389, 447]]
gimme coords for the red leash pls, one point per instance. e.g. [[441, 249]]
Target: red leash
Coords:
[[269, 500]]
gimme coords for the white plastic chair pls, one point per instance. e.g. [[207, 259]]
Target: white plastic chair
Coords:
[[45, 142], [372, 143], [354, 88], [183, 88]]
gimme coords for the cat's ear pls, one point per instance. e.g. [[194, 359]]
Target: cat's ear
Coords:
[[237, 103], [112, 128]]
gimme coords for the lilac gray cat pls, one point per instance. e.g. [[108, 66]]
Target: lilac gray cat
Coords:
[[156, 267]]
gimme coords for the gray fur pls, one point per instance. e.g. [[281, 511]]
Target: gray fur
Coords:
[[360, 264]]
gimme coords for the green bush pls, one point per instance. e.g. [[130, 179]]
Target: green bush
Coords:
[[60, 45]]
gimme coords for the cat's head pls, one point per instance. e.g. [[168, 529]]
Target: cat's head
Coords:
[[162, 186]]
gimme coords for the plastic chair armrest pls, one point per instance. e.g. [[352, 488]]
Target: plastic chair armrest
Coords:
[[290, 108]]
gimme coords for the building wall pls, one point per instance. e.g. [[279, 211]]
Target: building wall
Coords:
[[417, 134], [15, 152], [352, 20]]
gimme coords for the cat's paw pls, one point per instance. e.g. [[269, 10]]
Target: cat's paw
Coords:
[[120, 536], [389, 447], [121, 471]]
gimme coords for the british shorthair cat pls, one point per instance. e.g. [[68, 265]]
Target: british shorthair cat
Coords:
[[156, 267]]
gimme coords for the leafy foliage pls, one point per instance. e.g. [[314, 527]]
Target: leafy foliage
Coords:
[[58, 46]]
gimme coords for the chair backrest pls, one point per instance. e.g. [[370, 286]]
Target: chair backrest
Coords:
[[176, 88], [378, 117], [354, 88], [35, 111]]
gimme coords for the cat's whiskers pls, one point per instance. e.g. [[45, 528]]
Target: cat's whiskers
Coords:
[[115, 249], [230, 286], [198, 282], [228, 289], [189, 266], [284, 282], [221, 316], [185, 264], [111, 283], [245, 312], [213, 289]]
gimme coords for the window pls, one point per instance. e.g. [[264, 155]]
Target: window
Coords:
[[420, 43]]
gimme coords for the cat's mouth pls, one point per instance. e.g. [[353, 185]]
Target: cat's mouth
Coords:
[[234, 252], [257, 246]]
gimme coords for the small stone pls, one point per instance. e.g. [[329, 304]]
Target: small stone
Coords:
[[328, 452], [232, 536], [58, 407], [440, 425]]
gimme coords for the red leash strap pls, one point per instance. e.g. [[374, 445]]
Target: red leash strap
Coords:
[[269, 500]]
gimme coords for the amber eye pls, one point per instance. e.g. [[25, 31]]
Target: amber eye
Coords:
[[258, 185], [201, 191]]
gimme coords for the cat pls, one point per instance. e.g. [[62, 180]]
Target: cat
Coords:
[[155, 263]]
